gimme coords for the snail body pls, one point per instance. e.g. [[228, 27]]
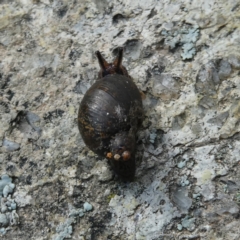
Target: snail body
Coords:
[[110, 114]]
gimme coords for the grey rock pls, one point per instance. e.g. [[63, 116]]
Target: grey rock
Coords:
[[224, 69], [10, 146], [165, 87], [181, 199], [183, 56], [188, 223], [3, 220], [234, 61], [87, 206], [102, 170]]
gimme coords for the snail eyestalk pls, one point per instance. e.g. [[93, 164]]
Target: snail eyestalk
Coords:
[[111, 68], [118, 61], [102, 62]]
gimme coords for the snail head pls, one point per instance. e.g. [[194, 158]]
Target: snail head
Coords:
[[111, 68], [122, 155]]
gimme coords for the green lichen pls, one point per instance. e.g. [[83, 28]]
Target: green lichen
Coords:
[[110, 196], [185, 37]]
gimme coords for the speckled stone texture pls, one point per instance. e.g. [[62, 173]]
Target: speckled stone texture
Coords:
[[184, 56]]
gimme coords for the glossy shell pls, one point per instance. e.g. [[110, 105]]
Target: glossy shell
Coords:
[[108, 118]]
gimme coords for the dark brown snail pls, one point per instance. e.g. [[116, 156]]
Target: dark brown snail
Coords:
[[109, 116]]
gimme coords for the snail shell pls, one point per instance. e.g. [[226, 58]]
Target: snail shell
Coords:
[[110, 114]]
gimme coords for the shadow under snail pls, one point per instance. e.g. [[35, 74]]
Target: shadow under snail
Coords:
[[110, 114]]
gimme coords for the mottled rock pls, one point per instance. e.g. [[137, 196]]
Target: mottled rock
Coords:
[[3, 220], [181, 199], [102, 170], [184, 56], [165, 87]]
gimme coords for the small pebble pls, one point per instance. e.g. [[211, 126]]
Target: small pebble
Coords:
[[179, 227], [3, 231], [8, 189], [13, 206], [87, 206], [3, 220]]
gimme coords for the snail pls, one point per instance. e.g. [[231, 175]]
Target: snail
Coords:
[[110, 114]]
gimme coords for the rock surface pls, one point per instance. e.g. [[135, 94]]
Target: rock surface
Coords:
[[184, 56]]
